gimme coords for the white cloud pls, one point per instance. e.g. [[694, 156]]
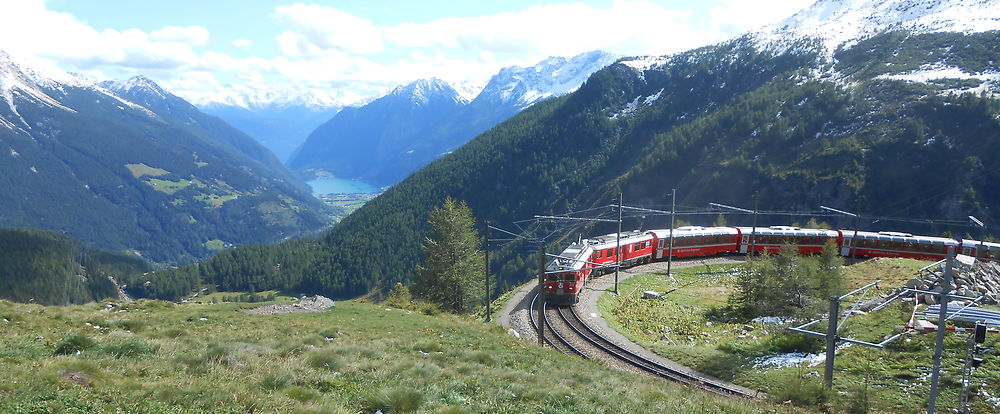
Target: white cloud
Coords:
[[317, 29], [243, 43], [192, 35]]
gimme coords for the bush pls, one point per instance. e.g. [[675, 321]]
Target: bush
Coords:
[[73, 343], [785, 343]]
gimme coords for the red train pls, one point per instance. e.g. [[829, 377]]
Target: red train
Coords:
[[566, 275]]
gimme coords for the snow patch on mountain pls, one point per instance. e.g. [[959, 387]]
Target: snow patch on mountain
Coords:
[[844, 22], [989, 80], [555, 76]]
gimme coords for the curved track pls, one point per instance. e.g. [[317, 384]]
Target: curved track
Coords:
[[597, 346]]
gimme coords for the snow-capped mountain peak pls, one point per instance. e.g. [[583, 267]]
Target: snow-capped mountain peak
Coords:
[[136, 85], [840, 22], [553, 76], [423, 91]]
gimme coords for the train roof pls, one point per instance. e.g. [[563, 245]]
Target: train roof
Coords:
[[898, 236], [789, 231], [975, 243], [609, 240], [693, 231]]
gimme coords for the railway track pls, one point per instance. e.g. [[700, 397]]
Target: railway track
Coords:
[[568, 333]]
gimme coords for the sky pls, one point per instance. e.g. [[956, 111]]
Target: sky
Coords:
[[348, 50]]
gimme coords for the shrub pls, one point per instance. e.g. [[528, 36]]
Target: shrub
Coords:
[[785, 343], [73, 343]]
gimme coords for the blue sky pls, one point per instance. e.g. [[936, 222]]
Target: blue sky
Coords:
[[349, 50]]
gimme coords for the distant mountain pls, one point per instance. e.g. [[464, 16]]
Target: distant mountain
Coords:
[[280, 127], [360, 142], [129, 167], [903, 121], [383, 143]]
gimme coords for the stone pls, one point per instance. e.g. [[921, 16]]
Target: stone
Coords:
[[913, 283], [513, 332], [748, 328], [649, 294]]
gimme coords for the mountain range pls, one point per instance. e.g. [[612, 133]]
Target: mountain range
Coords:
[[127, 166], [900, 119], [389, 138]]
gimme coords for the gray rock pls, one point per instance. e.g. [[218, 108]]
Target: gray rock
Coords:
[[649, 294]]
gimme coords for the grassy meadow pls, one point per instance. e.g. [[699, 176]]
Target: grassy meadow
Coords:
[[686, 325], [161, 357]]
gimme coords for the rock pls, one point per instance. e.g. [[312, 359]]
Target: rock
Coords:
[[513, 332], [748, 328], [913, 283], [5, 320], [858, 312], [649, 294], [708, 323], [930, 299]]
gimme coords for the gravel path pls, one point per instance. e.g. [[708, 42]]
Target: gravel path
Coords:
[[514, 314]]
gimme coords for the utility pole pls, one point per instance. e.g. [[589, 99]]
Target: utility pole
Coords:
[[831, 342], [981, 239], [670, 251], [618, 242], [541, 289], [753, 233], [942, 322], [486, 250]]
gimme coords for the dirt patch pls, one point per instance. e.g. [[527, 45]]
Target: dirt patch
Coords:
[[310, 304]]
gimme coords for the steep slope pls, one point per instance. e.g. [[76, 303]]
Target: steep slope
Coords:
[[798, 124], [165, 182], [382, 144], [51, 269]]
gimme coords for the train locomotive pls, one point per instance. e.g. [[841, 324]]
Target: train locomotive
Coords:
[[566, 275]]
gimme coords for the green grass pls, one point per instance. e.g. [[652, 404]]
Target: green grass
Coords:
[[139, 170], [355, 357], [167, 186], [685, 326], [215, 244]]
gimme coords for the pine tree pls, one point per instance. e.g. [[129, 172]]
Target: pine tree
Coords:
[[453, 269]]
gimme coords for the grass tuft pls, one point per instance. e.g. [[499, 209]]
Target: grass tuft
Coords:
[[324, 359], [73, 343], [396, 400]]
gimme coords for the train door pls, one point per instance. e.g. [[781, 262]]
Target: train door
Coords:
[[846, 249], [745, 243], [967, 250]]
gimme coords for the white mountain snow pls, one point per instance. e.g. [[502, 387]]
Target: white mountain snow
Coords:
[[422, 92], [551, 77], [35, 81], [840, 22]]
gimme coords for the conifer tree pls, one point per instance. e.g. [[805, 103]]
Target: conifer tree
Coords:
[[453, 269]]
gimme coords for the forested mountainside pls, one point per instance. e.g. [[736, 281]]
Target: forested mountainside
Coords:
[[52, 269], [795, 124], [157, 178]]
